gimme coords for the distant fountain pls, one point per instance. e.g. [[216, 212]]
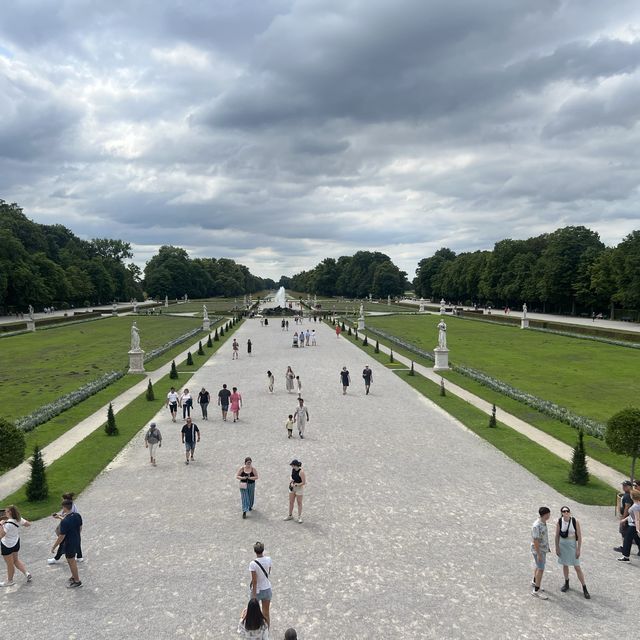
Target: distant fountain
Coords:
[[281, 298]]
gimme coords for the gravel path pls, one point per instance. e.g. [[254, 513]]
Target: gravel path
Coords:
[[414, 527]]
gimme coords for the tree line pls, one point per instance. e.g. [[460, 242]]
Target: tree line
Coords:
[[567, 271], [357, 276], [47, 265]]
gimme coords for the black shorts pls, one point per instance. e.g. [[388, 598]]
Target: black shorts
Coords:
[[71, 553], [173, 407], [7, 551], [224, 407]]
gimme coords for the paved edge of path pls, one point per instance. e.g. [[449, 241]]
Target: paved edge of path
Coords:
[[555, 446], [12, 480]]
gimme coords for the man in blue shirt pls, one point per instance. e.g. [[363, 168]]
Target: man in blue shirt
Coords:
[[70, 530]]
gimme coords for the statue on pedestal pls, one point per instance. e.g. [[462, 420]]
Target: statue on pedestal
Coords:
[[166, 301], [389, 300], [524, 310], [135, 306], [442, 335], [135, 338], [361, 310], [31, 312], [205, 313]]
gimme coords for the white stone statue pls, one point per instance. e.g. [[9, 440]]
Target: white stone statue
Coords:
[[205, 313], [442, 335], [361, 310], [166, 301], [31, 312], [135, 338], [135, 306], [389, 300], [114, 306], [524, 310]]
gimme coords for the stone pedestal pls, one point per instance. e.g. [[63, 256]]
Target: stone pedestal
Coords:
[[206, 324], [421, 309], [31, 325], [360, 323], [114, 313], [441, 355], [524, 323], [136, 361]]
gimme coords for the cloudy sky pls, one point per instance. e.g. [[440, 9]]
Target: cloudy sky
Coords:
[[278, 132]]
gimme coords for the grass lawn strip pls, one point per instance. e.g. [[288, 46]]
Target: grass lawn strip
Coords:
[[49, 431], [77, 468], [547, 466]]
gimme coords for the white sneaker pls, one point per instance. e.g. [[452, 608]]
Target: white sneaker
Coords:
[[7, 583], [79, 559], [52, 561], [288, 518], [28, 576], [300, 520], [540, 594]]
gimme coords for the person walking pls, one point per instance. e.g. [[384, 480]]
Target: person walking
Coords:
[[294, 344], [539, 550], [286, 324], [59, 516], [234, 349], [260, 571], [186, 402], [313, 338], [249, 345], [152, 440], [345, 379], [338, 330], [289, 378], [633, 526], [282, 324], [367, 376], [236, 403], [252, 623], [299, 385], [626, 501], [223, 401], [301, 338], [173, 399], [10, 544], [271, 381], [289, 426], [307, 337], [568, 548], [70, 536], [204, 398], [301, 417], [247, 476], [190, 435], [296, 488]]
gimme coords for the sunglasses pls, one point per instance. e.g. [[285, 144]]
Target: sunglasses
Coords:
[[565, 511]]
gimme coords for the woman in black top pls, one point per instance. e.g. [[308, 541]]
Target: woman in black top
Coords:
[[203, 400], [247, 475], [249, 346], [296, 488], [345, 379]]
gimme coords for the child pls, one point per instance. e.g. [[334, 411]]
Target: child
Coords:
[[289, 425], [299, 385]]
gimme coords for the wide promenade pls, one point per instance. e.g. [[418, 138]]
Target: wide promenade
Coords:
[[413, 526]]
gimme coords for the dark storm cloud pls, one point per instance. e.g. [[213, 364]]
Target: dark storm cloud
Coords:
[[278, 132]]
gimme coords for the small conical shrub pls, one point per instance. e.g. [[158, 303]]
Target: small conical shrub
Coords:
[[391, 356], [37, 488], [355, 333], [412, 371], [221, 331], [189, 359], [443, 391], [377, 349], [200, 349], [342, 326], [209, 343], [150, 395], [349, 331], [110, 428], [365, 342], [579, 473], [492, 418], [173, 374], [216, 337]]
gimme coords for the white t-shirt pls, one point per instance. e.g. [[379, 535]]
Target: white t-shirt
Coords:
[[172, 397], [12, 533], [262, 581]]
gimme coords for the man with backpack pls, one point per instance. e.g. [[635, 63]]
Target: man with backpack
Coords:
[[153, 439]]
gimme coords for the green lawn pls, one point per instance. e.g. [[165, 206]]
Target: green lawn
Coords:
[[215, 306], [75, 470], [39, 367], [550, 468], [590, 378]]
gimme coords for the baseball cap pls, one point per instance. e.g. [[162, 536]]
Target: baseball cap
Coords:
[[626, 483], [295, 463]]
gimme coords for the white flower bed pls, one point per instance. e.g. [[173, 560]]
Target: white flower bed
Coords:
[[592, 427], [52, 409]]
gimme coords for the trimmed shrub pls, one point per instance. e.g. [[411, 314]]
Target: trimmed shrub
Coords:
[[342, 326], [209, 343], [492, 418], [216, 337], [150, 395], [579, 473], [200, 349], [110, 428], [365, 342], [443, 391], [37, 488], [391, 356], [377, 348], [221, 331], [11, 445], [349, 332], [189, 359], [412, 370], [173, 374]]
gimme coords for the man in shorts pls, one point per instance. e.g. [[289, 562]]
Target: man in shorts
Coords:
[[539, 550], [260, 571], [223, 400], [70, 530], [367, 376], [190, 435], [172, 402]]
